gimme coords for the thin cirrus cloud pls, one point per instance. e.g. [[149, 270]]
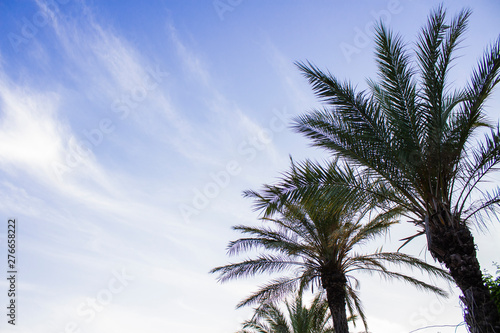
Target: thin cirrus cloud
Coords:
[[228, 122], [36, 138], [46, 135]]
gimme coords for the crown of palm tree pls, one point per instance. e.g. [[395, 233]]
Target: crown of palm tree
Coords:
[[270, 318], [410, 128], [316, 241]]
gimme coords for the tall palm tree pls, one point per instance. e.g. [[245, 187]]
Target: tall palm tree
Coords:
[[414, 133], [316, 241], [269, 318]]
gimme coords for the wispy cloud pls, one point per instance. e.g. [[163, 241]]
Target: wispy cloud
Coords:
[[229, 122], [296, 88], [31, 135], [42, 143]]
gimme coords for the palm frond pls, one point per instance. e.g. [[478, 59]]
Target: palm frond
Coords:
[[286, 243], [489, 204], [437, 43], [419, 284], [355, 306], [484, 158], [274, 290], [482, 82], [402, 259], [373, 228], [399, 95], [262, 264]]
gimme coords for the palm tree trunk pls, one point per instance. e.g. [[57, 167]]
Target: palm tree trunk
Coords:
[[335, 286], [453, 245]]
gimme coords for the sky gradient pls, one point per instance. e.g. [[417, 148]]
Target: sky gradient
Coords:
[[129, 130]]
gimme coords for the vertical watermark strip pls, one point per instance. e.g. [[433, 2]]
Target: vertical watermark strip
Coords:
[[11, 271]]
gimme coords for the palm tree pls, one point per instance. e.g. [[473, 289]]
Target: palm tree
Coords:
[[414, 134], [317, 241], [269, 318]]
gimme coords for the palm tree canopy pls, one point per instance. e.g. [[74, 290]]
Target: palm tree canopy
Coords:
[[410, 128], [311, 238], [269, 318]]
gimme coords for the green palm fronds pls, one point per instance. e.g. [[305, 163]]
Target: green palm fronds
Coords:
[[308, 242]]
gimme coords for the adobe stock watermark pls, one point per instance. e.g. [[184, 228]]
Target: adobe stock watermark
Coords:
[[31, 26], [80, 150], [363, 36], [247, 151], [88, 309], [223, 6]]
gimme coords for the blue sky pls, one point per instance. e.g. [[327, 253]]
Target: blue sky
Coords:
[[129, 130]]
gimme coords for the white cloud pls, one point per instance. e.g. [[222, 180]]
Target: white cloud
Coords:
[[192, 62], [296, 88], [231, 130], [30, 134]]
